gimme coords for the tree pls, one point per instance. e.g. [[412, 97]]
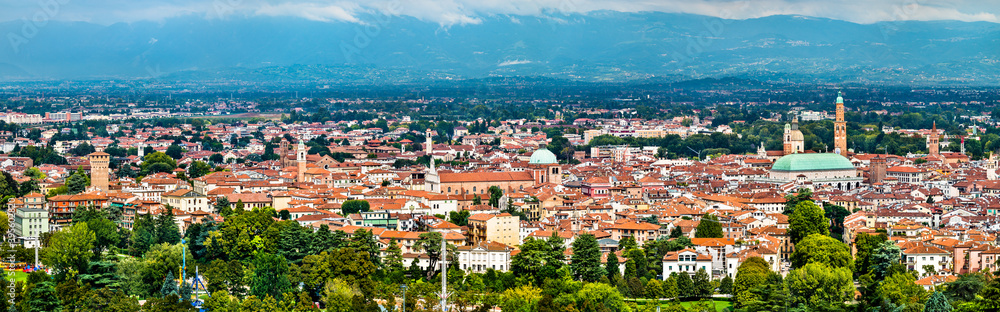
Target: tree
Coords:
[[106, 299], [175, 151], [965, 287], [223, 207], [539, 259], [670, 287], [792, 201], [338, 295], [702, 285], [901, 289], [611, 268], [654, 289], [198, 169], [586, 260], [495, 194], [937, 303], [807, 219], [726, 286], [364, 240], [77, 182], [143, 235], [243, 234], [459, 218], [836, 214], [350, 207], [41, 297], [161, 260], [70, 249], [393, 256], [284, 215], [749, 274], [157, 162], [866, 245], [817, 284], [685, 287], [772, 295], [627, 243], [677, 232], [216, 158], [709, 227], [34, 173], [598, 297], [521, 299], [105, 233], [883, 259], [818, 248], [226, 276], [430, 243], [987, 300], [270, 276], [169, 285], [167, 230]]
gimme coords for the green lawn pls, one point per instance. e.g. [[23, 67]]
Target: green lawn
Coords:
[[18, 275], [720, 304]]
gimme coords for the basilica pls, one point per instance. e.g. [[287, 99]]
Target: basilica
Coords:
[[806, 168]]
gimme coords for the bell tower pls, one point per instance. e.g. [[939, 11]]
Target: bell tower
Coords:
[[933, 147], [300, 161], [840, 129]]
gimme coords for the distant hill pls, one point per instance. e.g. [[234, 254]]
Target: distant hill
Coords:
[[599, 46]]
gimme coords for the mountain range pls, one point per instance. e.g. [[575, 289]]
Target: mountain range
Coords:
[[597, 46]]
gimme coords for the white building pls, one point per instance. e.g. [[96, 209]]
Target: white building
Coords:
[[921, 256], [485, 255], [686, 261], [29, 224]]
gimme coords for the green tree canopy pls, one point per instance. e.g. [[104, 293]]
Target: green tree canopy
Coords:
[[817, 284], [586, 260], [70, 249], [709, 227], [350, 207], [749, 274], [807, 219], [818, 248]]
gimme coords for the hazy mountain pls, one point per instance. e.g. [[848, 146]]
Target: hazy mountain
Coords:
[[602, 46]]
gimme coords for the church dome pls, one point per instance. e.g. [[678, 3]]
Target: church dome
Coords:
[[543, 157], [796, 135], [812, 162]]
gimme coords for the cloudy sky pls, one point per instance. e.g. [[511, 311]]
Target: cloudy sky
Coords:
[[451, 12]]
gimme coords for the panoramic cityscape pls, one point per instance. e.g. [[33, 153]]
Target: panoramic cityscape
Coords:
[[529, 156]]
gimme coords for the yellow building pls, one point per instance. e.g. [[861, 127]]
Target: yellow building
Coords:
[[503, 228]]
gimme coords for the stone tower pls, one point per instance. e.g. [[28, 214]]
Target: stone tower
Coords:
[[840, 129], [933, 147], [429, 144], [99, 162], [300, 161], [283, 152], [877, 168]]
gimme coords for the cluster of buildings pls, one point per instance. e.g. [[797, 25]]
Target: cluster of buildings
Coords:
[[940, 208]]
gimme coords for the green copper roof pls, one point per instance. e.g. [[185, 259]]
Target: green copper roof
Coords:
[[840, 99], [543, 157], [812, 162]]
